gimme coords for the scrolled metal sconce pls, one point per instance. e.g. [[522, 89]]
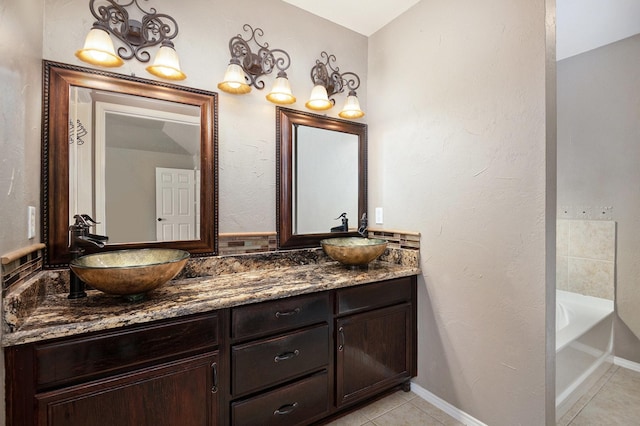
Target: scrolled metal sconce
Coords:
[[136, 36], [246, 68], [328, 81]]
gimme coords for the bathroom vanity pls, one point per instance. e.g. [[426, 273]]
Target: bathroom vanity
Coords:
[[286, 345]]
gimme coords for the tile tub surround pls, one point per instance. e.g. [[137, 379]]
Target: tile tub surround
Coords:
[[39, 309], [586, 257]]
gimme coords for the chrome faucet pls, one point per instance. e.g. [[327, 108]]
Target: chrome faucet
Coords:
[[362, 230], [79, 236]]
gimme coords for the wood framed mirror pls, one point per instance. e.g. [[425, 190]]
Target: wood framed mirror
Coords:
[[321, 172], [107, 139]]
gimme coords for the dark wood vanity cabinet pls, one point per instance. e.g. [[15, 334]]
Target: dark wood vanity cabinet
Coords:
[[375, 339], [142, 375], [281, 361], [291, 361], [153, 396]]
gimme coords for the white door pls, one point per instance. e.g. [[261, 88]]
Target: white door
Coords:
[[175, 208]]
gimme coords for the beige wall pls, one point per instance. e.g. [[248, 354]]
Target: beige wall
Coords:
[[246, 123], [20, 97], [598, 154], [457, 142], [457, 152]]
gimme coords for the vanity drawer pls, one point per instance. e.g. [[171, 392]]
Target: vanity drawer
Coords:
[[267, 362], [295, 404], [279, 315], [370, 296], [79, 359]]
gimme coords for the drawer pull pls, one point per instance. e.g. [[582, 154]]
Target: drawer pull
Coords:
[[285, 409], [288, 313], [341, 333], [285, 356], [214, 377]]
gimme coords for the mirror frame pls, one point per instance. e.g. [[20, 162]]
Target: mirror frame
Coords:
[[57, 79], [285, 120]]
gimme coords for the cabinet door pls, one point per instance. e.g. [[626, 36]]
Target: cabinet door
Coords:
[[373, 352], [180, 393]]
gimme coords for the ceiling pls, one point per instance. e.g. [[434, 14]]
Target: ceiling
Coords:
[[350, 13], [582, 25]]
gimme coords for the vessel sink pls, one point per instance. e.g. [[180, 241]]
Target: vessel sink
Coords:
[[354, 251], [130, 273]]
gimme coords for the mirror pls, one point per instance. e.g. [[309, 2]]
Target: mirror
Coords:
[[321, 173], [138, 156]]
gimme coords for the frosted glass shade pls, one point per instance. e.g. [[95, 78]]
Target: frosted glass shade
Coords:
[[351, 108], [166, 64], [281, 92], [319, 100], [234, 81], [98, 50]]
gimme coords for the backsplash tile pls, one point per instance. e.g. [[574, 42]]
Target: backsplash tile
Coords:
[[239, 243], [20, 265]]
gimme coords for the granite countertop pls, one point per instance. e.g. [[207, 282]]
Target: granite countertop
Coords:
[[48, 314]]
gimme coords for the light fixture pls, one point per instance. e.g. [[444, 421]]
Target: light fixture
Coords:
[[136, 36], [246, 67], [328, 81]]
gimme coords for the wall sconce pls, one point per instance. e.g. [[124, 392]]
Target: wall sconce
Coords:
[[137, 36], [246, 67], [327, 82]]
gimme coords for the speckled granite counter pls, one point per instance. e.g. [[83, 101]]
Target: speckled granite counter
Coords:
[[40, 310]]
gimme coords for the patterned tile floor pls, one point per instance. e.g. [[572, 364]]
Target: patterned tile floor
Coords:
[[613, 401], [398, 409]]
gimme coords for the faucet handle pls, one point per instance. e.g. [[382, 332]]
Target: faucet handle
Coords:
[[89, 219], [84, 220]]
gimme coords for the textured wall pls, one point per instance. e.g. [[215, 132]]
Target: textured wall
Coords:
[[457, 152], [598, 152], [246, 123], [20, 76], [20, 86]]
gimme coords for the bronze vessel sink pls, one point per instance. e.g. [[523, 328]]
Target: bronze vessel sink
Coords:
[[354, 251], [130, 273]]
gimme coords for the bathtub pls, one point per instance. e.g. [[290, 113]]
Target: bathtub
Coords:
[[584, 340]]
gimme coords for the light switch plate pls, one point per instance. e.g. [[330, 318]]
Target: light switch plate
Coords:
[[31, 222], [378, 215]]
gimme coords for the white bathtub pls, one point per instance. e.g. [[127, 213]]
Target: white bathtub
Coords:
[[584, 339]]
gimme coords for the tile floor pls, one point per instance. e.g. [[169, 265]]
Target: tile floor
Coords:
[[613, 401], [398, 409]]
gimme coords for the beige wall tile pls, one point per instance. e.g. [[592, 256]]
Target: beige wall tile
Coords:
[[592, 277], [593, 239], [562, 273], [562, 237]]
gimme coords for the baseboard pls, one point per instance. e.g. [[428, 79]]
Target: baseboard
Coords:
[[621, 362], [454, 412]]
